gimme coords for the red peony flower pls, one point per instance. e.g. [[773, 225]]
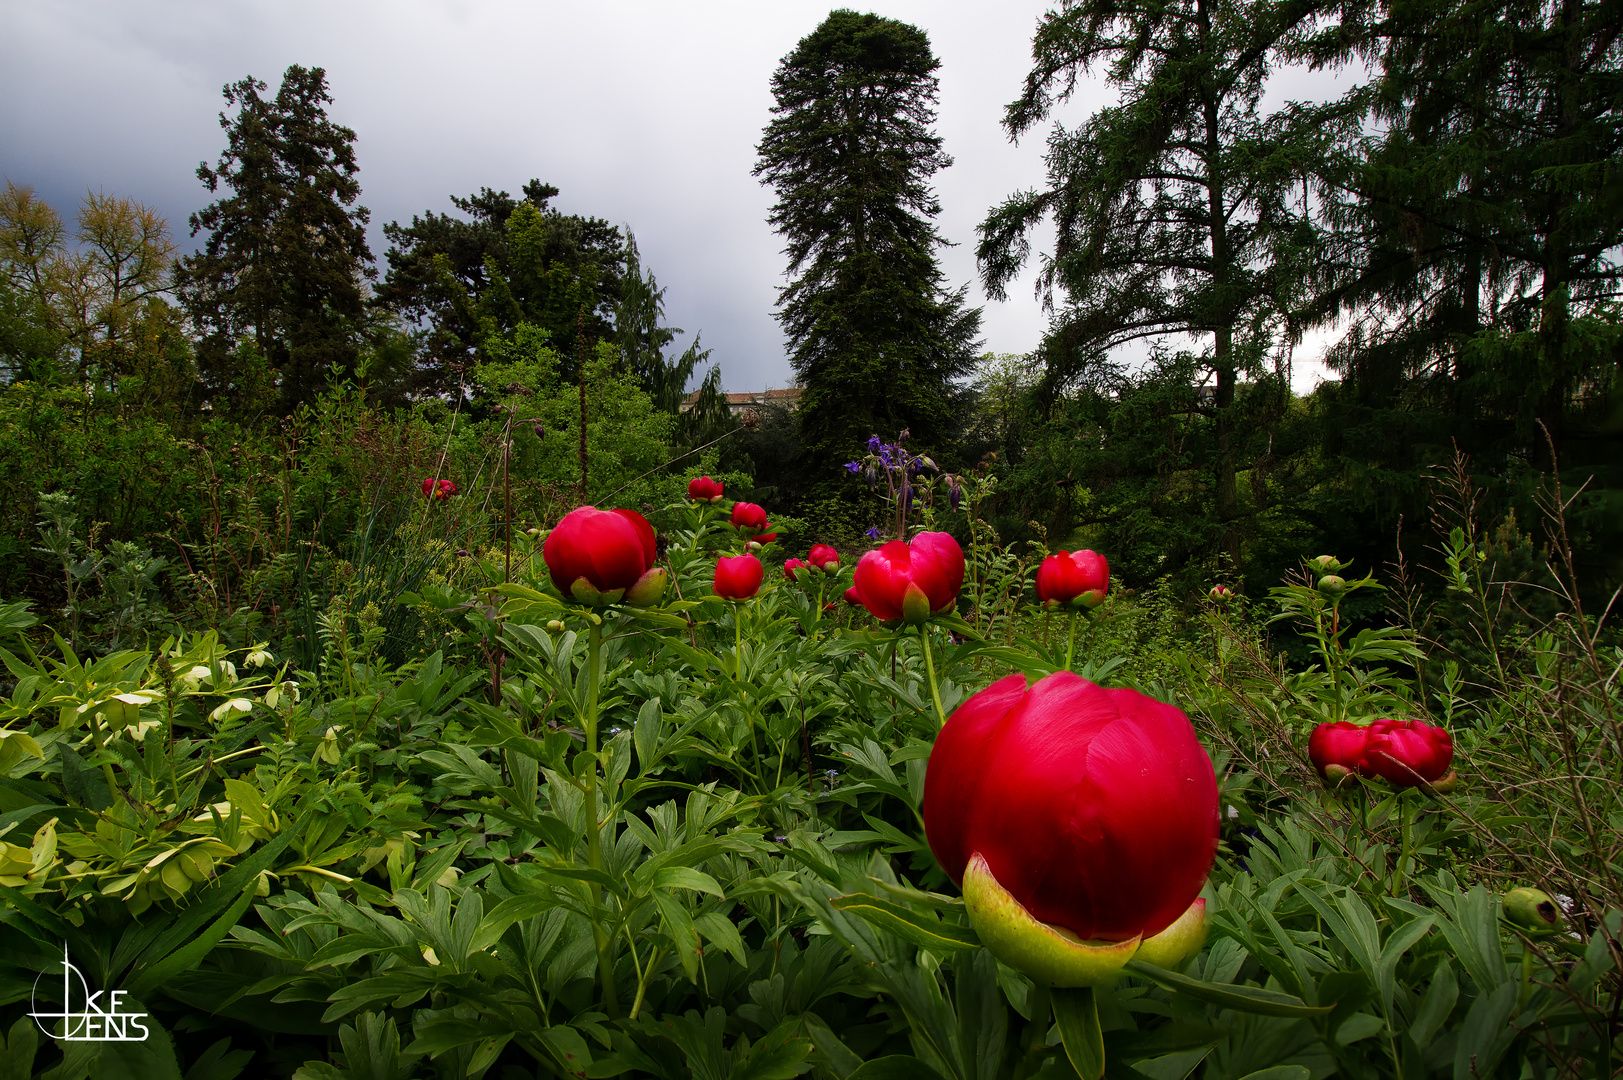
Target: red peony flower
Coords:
[[1066, 805], [795, 569], [704, 489], [1407, 753], [824, 558], [1073, 579], [911, 581], [1338, 746], [603, 556], [747, 517], [852, 598], [738, 577]]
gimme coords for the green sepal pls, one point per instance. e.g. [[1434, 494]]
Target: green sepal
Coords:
[[586, 593]]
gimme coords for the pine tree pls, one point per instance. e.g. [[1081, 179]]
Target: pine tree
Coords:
[[874, 337], [277, 294]]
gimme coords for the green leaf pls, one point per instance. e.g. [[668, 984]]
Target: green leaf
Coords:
[[1280, 1072], [1436, 1006], [1486, 1033], [1171, 1066], [895, 1067], [685, 877], [17, 1050], [919, 928], [82, 784], [720, 930], [512, 910], [1249, 999], [1359, 1026], [646, 732], [684, 938], [777, 1055], [1077, 1013]]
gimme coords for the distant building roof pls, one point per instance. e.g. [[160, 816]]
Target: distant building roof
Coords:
[[787, 397]]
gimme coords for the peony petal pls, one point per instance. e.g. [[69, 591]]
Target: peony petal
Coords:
[[881, 579], [957, 765], [938, 568]]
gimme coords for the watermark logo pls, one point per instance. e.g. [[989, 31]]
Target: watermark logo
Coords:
[[85, 1016]]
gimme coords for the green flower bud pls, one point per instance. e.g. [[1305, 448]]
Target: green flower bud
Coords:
[[1533, 910]]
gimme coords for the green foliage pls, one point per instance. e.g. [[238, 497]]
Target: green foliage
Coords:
[[511, 261], [685, 842]]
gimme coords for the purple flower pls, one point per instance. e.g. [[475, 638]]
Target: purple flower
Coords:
[[874, 444], [853, 466], [873, 532]]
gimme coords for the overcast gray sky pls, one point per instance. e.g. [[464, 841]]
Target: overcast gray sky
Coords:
[[643, 113]]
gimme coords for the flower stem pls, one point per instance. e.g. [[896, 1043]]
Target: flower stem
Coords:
[[929, 669], [1070, 640], [594, 843]]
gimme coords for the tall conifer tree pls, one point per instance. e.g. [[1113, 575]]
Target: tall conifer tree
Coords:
[[874, 336], [284, 266]]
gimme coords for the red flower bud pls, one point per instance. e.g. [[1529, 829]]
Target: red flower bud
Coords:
[[911, 581], [1407, 753], [596, 556], [824, 558], [1073, 579], [704, 489], [447, 489], [738, 577], [852, 598], [795, 569], [1091, 810], [1222, 594], [748, 517]]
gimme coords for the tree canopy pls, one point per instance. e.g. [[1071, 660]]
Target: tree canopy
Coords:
[[474, 279], [277, 293]]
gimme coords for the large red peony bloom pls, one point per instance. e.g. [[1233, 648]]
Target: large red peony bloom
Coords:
[[738, 577], [1095, 809], [1074, 579], [911, 581], [604, 556]]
